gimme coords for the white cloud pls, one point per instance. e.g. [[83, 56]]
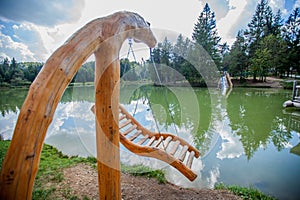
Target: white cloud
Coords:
[[22, 41], [230, 24], [18, 50], [29, 35], [231, 146], [214, 174], [297, 4], [38, 20], [278, 5], [46, 13]]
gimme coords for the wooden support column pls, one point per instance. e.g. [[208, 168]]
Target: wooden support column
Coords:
[[107, 77]]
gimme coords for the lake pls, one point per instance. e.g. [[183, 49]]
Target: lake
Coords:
[[245, 136]]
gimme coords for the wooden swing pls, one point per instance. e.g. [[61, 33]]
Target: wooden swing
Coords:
[[163, 146]]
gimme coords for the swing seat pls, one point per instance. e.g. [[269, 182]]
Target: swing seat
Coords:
[[163, 146]]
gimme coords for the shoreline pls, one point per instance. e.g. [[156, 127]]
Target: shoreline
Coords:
[[63, 177], [271, 82]]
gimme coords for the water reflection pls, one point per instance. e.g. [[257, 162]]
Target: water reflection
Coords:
[[257, 118], [11, 100], [245, 136]]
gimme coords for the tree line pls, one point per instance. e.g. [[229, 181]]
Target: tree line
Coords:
[[18, 74], [24, 73], [269, 46]]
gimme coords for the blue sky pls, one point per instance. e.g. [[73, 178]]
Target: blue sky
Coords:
[[31, 30]]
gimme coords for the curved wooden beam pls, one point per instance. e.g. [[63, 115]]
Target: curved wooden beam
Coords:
[[21, 162]]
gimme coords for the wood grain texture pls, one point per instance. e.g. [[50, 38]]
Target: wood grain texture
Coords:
[[21, 162]]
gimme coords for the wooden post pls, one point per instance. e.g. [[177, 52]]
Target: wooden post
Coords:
[[22, 159], [107, 80], [294, 90]]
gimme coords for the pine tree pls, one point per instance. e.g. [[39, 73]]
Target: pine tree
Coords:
[[291, 30], [6, 70], [261, 22], [237, 58], [277, 24], [205, 33], [291, 34], [262, 25], [181, 46], [166, 51]]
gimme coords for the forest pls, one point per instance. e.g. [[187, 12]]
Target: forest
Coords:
[[270, 46]]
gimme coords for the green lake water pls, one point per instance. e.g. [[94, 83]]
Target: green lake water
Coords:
[[245, 136]]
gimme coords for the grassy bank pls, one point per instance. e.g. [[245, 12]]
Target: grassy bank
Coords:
[[245, 193], [53, 162], [50, 171], [51, 167]]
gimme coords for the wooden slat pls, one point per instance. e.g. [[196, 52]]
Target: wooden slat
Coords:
[[190, 159], [150, 141], [122, 117], [174, 148], [127, 131], [183, 153], [133, 137], [125, 123], [158, 142], [142, 140], [166, 142]]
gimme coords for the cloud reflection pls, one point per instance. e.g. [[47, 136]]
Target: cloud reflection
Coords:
[[231, 146]]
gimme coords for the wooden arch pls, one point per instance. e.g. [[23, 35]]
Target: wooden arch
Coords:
[[103, 37]]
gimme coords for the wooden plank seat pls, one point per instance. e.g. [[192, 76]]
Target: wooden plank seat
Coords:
[[163, 146]]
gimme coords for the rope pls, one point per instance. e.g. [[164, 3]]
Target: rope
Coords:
[[135, 108], [165, 96], [155, 121], [130, 50]]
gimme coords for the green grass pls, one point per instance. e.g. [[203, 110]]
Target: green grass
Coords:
[[141, 170], [52, 163], [51, 167], [53, 160], [3, 148], [245, 193], [287, 84]]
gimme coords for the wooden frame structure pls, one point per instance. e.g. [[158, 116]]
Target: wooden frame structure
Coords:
[[103, 37]]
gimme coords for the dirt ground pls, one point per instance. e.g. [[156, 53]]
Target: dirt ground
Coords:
[[271, 82], [82, 179]]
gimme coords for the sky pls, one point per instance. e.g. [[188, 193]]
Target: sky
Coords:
[[32, 30]]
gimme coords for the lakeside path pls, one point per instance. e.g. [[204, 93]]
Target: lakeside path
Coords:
[[83, 183]]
